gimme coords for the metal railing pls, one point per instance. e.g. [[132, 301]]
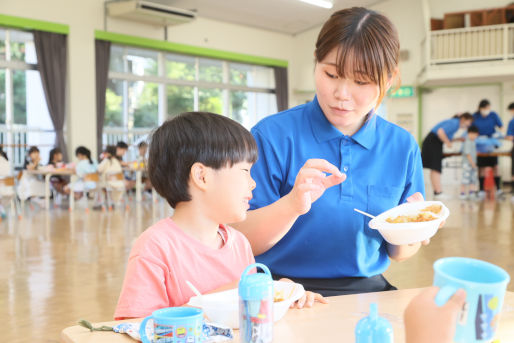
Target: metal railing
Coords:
[[470, 44]]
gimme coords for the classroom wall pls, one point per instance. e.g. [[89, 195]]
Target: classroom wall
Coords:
[[84, 17]]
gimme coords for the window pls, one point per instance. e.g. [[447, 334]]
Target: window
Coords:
[[24, 118], [146, 87]]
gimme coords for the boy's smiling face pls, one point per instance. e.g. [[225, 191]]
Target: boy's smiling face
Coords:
[[230, 191]]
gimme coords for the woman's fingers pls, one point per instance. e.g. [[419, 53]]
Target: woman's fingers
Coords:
[[322, 165], [415, 197]]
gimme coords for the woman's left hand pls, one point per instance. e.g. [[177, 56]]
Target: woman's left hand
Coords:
[[308, 299], [419, 197]]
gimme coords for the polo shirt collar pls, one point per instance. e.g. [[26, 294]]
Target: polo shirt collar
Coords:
[[324, 131]]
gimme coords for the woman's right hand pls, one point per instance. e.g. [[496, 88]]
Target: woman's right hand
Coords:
[[311, 182]]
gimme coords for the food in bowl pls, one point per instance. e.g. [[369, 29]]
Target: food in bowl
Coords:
[[435, 208], [422, 216], [278, 296]]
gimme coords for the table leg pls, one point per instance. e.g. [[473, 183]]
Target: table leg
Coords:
[[139, 186], [47, 190]]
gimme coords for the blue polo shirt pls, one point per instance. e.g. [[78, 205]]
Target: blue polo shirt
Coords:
[[510, 128], [449, 126], [383, 166], [487, 125]]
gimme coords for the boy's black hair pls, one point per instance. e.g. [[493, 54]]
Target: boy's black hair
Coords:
[[84, 151], [53, 152], [211, 139], [32, 149], [121, 145], [472, 128], [111, 149], [511, 106], [483, 103]]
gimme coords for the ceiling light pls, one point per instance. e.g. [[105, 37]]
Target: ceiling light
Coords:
[[320, 3]]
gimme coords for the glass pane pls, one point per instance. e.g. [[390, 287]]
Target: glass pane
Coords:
[[210, 70], [116, 59], [180, 99], [251, 75], [180, 67], [2, 96], [141, 62], [210, 100], [143, 104], [114, 103], [248, 108], [2, 44], [19, 97], [37, 110], [22, 46]]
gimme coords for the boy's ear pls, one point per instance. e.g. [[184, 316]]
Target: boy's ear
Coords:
[[199, 175]]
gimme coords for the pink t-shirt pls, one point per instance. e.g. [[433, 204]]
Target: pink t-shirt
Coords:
[[164, 257]]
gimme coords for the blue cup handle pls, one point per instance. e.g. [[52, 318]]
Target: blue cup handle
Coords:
[[444, 294], [142, 330]]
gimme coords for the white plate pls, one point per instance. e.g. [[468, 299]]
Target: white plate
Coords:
[[223, 307]]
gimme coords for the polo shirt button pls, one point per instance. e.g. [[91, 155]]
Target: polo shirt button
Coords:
[[345, 168]]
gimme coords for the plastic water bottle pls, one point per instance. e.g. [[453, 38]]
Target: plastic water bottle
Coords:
[[373, 329], [256, 305]]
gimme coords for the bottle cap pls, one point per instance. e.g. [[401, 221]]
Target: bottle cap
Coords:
[[373, 329]]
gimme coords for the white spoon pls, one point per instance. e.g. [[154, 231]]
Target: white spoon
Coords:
[[193, 288], [361, 212]]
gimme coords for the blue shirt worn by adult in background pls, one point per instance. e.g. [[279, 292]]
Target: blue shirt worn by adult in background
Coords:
[[510, 128], [449, 126], [487, 125], [383, 166]]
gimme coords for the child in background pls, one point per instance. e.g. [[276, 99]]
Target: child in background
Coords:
[[206, 179], [121, 150], [6, 192], [469, 165], [510, 137], [32, 186], [55, 161], [83, 167], [142, 161], [109, 166]]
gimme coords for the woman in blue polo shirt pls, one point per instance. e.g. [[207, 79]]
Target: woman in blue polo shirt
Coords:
[[432, 148], [302, 222], [487, 121]]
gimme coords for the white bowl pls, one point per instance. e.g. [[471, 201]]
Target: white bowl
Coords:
[[223, 307], [408, 233]]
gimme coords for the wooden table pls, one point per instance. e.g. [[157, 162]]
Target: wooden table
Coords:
[[334, 322], [48, 173]]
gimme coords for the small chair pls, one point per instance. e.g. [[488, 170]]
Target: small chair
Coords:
[[10, 182], [91, 177], [111, 190]]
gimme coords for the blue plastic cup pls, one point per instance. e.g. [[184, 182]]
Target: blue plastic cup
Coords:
[[174, 325], [485, 286]]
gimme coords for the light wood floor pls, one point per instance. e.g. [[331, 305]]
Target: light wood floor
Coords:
[[58, 267]]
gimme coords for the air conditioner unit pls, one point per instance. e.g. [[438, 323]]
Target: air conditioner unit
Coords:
[[149, 12]]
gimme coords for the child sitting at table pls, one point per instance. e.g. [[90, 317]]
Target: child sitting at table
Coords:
[[55, 161], [142, 161], [32, 186], [200, 163], [82, 168], [109, 167]]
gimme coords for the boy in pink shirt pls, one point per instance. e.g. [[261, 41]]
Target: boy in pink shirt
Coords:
[[200, 163]]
